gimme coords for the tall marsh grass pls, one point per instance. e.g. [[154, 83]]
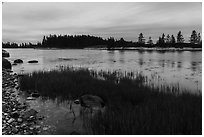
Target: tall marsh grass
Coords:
[[132, 106]]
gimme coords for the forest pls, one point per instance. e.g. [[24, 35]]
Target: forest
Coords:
[[87, 41]]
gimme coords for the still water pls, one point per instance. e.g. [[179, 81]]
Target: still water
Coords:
[[180, 68], [183, 68]]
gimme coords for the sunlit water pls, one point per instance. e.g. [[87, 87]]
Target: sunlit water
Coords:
[[180, 68]]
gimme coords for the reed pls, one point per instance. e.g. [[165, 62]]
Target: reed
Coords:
[[132, 106]]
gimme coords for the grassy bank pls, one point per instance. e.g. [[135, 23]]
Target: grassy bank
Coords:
[[132, 107]]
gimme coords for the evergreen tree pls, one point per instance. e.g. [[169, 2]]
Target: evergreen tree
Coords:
[[121, 42], [194, 37], [199, 39], [150, 42], [43, 41], [168, 39], [180, 38], [159, 41], [141, 39], [163, 39], [173, 41], [111, 42]]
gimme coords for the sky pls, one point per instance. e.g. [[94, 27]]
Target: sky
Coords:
[[29, 22]]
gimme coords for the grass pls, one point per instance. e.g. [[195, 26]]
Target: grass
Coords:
[[132, 106]]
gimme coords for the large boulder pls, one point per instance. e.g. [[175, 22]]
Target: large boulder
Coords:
[[18, 61], [6, 64], [5, 53], [33, 61]]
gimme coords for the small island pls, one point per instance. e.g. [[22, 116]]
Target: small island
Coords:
[[93, 42]]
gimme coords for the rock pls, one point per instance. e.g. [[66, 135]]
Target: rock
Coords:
[[5, 53], [13, 95], [15, 114], [10, 71], [18, 61], [33, 61], [23, 125], [6, 64], [16, 117], [17, 87], [10, 120], [22, 107], [40, 117], [14, 130], [4, 108], [45, 128], [37, 127], [29, 113], [20, 120], [31, 118], [5, 114], [30, 98], [36, 95]]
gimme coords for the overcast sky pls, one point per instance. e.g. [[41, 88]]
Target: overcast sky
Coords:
[[28, 22]]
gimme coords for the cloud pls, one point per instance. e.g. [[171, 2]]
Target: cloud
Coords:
[[28, 22]]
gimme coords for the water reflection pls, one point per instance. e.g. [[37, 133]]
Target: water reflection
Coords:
[[195, 62], [194, 66], [141, 56], [172, 64], [122, 56], [141, 62], [179, 65], [173, 67], [161, 63], [111, 56]]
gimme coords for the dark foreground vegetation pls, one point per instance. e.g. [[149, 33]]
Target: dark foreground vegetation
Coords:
[[87, 41], [132, 107]]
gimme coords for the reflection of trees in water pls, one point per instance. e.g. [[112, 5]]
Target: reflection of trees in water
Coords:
[[179, 65], [122, 57], [194, 66], [150, 62], [161, 63], [141, 53], [167, 63], [111, 56], [141, 62], [172, 64]]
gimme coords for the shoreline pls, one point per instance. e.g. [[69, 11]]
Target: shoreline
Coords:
[[17, 117], [121, 48], [148, 49]]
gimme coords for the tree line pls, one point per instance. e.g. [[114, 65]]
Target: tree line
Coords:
[[84, 41], [21, 45], [171, 41]]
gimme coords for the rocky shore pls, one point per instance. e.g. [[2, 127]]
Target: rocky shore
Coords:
[[17, 117]]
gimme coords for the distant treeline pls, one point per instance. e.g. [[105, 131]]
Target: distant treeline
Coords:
[[22, 45], [84, 41]]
